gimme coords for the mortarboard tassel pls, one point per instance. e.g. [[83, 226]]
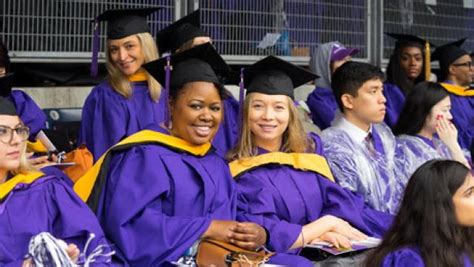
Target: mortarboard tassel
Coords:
[[168, 69], [241, 98], [95, 49], [427, 61]]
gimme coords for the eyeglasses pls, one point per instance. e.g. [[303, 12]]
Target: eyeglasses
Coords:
[[465, 64], [6, 133]]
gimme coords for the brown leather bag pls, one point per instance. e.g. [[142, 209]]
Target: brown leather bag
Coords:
[[221, 254]]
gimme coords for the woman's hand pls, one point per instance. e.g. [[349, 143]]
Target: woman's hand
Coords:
[[219, 230], [248, 235], [337, 240], [27, 263], [339, 226], [73, 252], [447, 132]]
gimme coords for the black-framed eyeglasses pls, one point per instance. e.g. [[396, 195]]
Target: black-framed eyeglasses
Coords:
[[6, 133], [465, 64]]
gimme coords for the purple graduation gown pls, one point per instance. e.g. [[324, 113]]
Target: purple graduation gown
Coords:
[[395, 101], [462, 109], [410, 257], [226, 136], [323, 106], [108, 117], [30, 113], [157, 201], [47, 204], [283, 199]]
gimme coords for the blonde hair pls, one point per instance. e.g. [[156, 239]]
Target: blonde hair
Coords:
[[120, 82], [294, 138]]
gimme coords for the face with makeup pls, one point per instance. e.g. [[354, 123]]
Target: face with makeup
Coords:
[[13, 135], [126, 54], [196, 113], [463, 200]]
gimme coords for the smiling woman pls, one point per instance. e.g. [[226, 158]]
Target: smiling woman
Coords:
[[129, 99], [197, 112], [173, 186]]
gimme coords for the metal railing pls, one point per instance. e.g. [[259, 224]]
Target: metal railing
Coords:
[[238, 26], [60, 30], [441, 23]]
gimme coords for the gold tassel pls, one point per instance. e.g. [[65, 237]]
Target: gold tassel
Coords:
[[427, 61]]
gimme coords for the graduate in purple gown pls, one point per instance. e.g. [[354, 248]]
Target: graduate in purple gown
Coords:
[[424, 130], [30, 113], [183, 35], [130, 98], [408, 65], [456, 76], [361, 149], [325, 59], [32, 202], [434, 226], [285, 182], [157, 198]]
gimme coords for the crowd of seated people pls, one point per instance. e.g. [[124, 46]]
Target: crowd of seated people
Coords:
[[179, 161]]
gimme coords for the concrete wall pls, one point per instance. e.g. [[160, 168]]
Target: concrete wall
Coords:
[[74, 97]]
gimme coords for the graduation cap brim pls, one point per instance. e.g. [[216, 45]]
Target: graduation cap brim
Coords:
[[6, 84], [176, 34], [449, 50], [273, 68], [205, 53], [408, 38], [125, 22]]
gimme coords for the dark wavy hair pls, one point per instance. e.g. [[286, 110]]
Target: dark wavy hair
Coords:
[[417, 107], [4, 57], [395, 73], [426, 218]]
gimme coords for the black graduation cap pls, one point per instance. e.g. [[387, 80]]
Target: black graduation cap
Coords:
[[200, 63], [121, 23], [6, 84], [7, 107], [275, 76], [448, 53], [407, 38], [175, 35], [125, 22]]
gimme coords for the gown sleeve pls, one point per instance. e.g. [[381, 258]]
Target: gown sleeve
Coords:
[[72, 221], [350, 207], [282, 234], [104, 119]]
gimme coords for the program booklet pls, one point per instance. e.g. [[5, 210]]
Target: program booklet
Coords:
[[370, 242]]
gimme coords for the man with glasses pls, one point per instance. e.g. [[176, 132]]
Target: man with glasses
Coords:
[[456, 76]]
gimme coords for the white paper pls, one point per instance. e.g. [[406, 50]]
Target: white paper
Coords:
[[270, 39]]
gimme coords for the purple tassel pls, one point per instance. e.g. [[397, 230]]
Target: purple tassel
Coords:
[[165, 92], [95, 50], [241, 98]]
